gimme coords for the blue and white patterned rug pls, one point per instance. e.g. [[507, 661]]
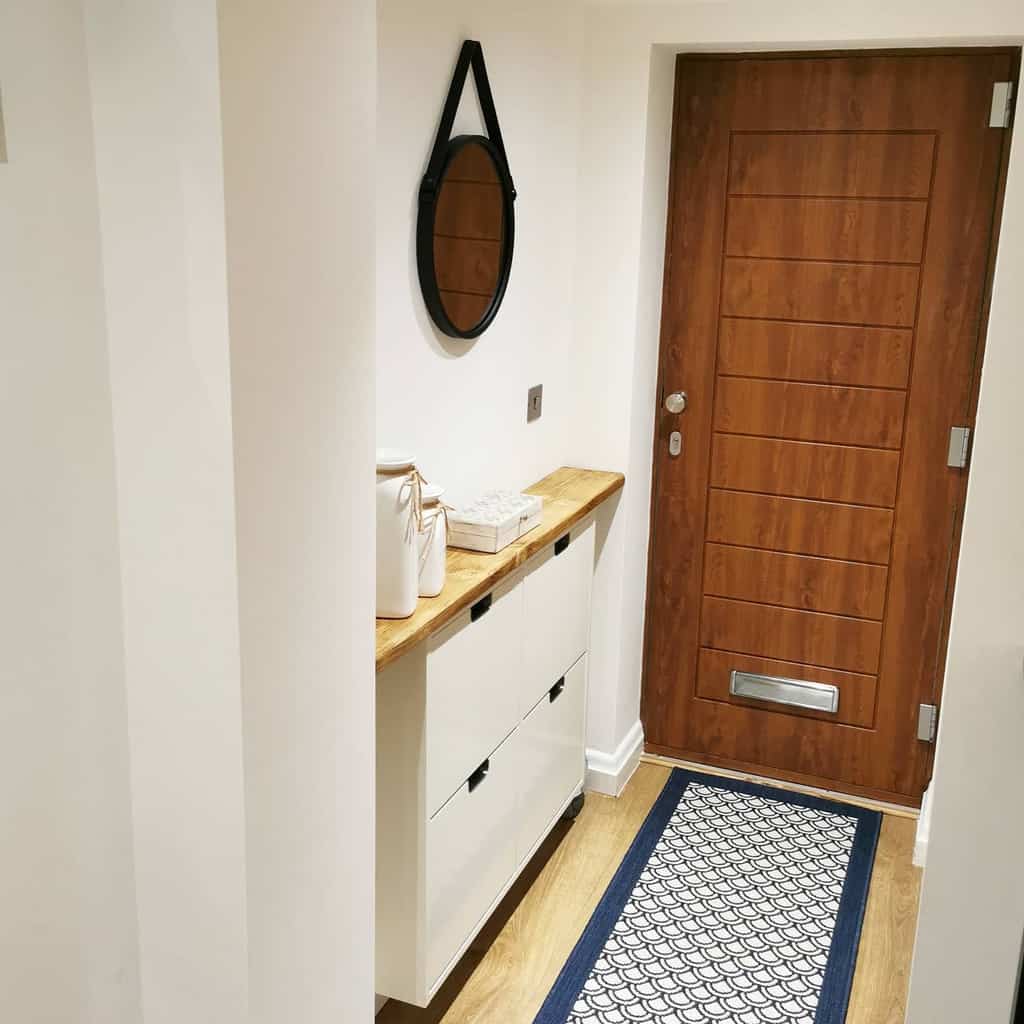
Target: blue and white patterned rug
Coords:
[[736, 904]]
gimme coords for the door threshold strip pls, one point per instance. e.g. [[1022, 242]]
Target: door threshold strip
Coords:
[[898, 810]]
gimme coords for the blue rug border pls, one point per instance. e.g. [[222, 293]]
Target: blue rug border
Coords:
[[838, 980]]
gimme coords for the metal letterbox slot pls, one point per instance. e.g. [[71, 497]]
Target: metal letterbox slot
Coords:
[[795, 693]]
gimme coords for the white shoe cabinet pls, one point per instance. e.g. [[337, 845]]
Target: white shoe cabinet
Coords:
[[479, 752]]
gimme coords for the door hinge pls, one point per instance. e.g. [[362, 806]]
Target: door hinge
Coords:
[[959, 447], [1002, 105], [927, 722]]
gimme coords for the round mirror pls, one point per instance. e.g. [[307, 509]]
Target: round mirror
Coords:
[[464, 237]]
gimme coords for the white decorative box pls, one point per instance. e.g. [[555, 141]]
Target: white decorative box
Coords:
[[493, 521]]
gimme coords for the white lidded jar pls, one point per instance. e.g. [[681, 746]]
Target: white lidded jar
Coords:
[[433, 542], [398, 517]]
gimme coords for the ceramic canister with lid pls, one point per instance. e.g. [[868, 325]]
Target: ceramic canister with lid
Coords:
[[433, 542], [398, 496]]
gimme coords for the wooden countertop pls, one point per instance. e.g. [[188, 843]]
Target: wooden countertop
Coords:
[[569, 495]]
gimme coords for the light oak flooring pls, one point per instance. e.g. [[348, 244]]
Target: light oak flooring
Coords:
[[505, 976]]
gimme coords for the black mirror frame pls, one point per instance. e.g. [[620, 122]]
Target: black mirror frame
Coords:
[[444, 151]]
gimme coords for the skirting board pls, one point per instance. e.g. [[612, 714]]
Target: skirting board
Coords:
[[379, 1004], [609, 773], [923, 826]]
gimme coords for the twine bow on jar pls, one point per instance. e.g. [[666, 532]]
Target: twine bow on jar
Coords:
[[416, 482], [443, 508], [441, 513]]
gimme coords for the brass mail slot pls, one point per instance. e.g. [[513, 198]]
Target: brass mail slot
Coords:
[[795, 693]]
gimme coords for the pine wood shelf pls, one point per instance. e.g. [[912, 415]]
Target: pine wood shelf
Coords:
[[569, 495]]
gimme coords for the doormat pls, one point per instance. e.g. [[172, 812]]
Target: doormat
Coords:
[[736, 902]]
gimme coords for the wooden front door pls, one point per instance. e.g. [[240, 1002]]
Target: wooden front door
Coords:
[[831, 223]]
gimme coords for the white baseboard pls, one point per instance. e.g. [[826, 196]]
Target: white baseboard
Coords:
[[923, 827], [609, 773], [379, 1004]]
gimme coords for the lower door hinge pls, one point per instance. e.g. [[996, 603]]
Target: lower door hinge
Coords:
[[959, 447], [927, 722]]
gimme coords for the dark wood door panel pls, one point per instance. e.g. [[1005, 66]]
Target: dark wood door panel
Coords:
[[880, 295], [914, 92], [696, 230], [835, 754], [810, 412], [830, 227], [856, 691], [799, 526], [787, 227], [795, 581], [810, 638], [894, 165], [800, 469], [818, 353]]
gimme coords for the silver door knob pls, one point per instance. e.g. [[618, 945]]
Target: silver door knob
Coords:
[[675, 403]]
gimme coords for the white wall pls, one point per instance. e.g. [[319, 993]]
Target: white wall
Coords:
[[625, 138], [156, 115], [298, 84], [143, 876], [972, 907], [461, 406], [67, 912], [628, 83]]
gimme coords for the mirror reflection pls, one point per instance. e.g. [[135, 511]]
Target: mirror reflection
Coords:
[[469, 228]]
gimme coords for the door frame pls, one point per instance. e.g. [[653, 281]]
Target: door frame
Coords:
[[926, 762]]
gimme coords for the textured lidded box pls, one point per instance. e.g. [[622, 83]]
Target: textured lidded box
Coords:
[[493, 521]]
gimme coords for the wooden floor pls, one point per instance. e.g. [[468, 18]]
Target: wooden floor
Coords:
[[515, 960]]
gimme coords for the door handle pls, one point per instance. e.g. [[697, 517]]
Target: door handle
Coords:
[[675, 403]]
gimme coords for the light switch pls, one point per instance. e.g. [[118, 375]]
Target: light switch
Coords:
[[534, 403]]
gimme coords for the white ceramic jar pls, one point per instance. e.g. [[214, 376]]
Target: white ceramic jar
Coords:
[[397, 534], [433, 542]]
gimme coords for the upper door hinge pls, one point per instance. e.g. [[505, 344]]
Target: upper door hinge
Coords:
[[959, 447], [1002, 104], [927, 722]]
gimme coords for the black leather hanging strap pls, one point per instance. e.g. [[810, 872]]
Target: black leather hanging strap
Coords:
[[471, 56]]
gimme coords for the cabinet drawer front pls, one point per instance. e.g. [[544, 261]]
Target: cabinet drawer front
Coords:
[[471, 854], [551, 756], [474, 672], [557, 603]]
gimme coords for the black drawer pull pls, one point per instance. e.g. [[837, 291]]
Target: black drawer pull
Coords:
[[482, 607], [561, 544], [479, 775], [556, 691]]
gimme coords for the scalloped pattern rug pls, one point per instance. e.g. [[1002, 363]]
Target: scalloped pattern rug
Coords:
[[736, 903]]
